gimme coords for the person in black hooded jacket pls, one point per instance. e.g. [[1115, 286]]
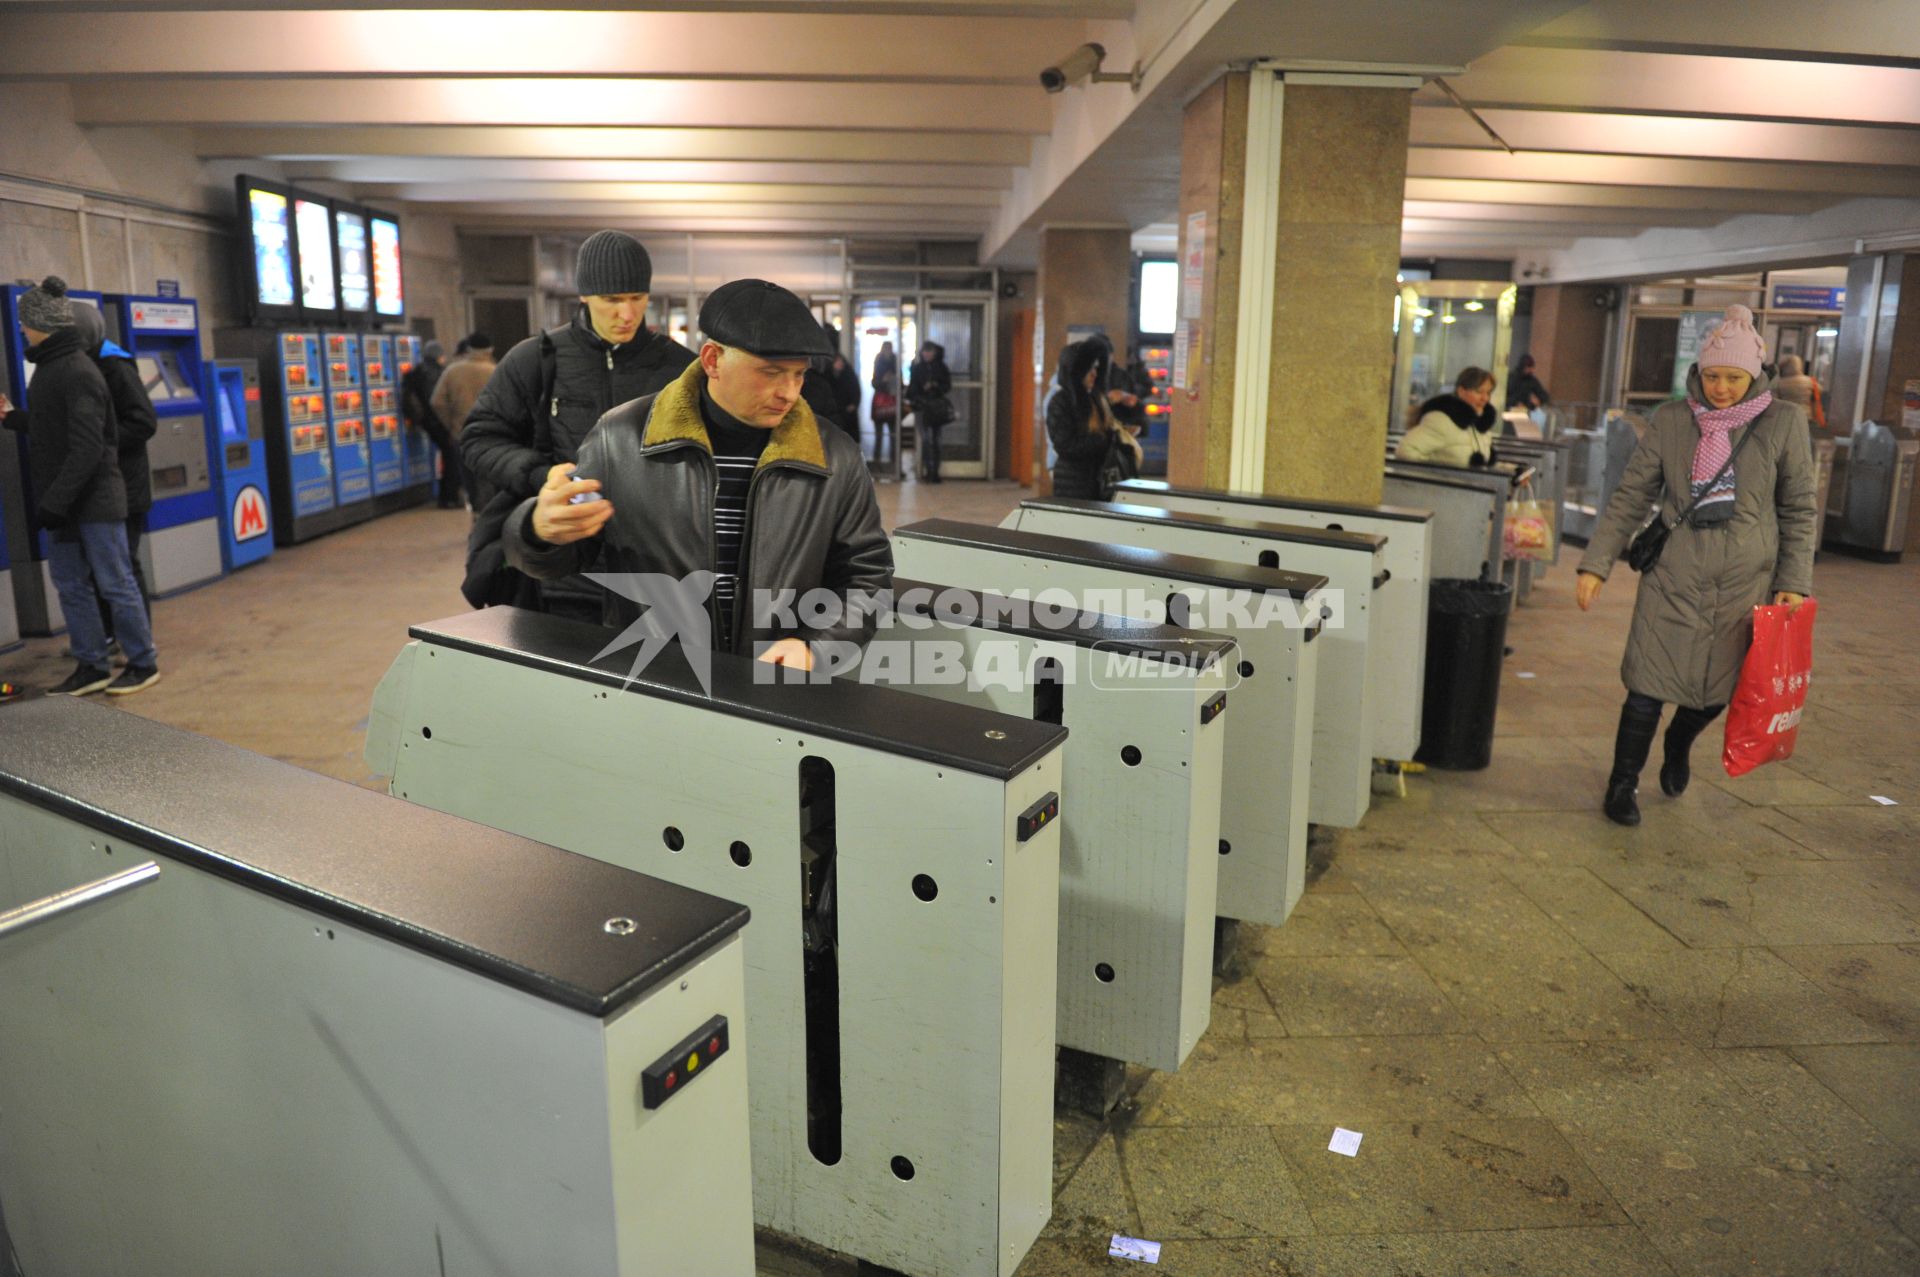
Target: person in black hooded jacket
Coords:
[[79, 496], [1086, 439], [546, 396], [1455, 429], [135, 422], [929, 385]]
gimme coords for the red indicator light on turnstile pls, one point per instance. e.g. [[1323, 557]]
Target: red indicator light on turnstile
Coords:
[[1033, 818], [662, 1079]]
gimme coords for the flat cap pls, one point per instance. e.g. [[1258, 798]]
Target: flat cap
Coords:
[[763, 319]]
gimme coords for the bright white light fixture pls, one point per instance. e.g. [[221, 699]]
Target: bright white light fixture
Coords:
[[1476, 305], [1826, 332], [1449, 319]]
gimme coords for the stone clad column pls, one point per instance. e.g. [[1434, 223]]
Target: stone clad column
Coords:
[[1086, 280], [1293, 182]]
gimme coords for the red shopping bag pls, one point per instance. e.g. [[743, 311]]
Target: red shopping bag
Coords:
[[1764, 717]]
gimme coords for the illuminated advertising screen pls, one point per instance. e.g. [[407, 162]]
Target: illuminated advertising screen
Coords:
[[1159, 297], [313, 229], [272, 248], [356, 266], [389, 297]]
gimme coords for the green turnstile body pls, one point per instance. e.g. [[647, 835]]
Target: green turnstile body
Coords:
[[301, 1028], [1269, 741], [902, 861], [1399, 622], [1145, 708], [1341, 788]]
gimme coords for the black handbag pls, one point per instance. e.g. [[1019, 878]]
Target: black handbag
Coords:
[[1645, 549]]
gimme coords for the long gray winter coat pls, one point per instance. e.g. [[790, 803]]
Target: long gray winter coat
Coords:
[[1693, 619]]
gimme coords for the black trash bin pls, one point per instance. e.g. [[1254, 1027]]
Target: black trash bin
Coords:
[[1466, 635]]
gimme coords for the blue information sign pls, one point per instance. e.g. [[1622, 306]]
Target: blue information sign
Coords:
[[1807, 297]]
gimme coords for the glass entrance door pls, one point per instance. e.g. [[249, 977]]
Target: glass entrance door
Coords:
[[887, 333]]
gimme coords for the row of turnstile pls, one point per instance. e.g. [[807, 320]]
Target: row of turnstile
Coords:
[[1002, 835]]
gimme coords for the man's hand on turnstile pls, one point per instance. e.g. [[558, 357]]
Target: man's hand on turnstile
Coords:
[[1586, 589], [789, 651], [557, 520]]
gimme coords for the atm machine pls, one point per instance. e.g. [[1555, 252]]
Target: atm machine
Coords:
[[240, 462], [293, 410], [37, 606], [182, 545], [243, 1036], [345, 380], [421, 462], [385, 448]]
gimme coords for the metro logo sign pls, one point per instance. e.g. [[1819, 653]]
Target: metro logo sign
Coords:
[[249, 514]]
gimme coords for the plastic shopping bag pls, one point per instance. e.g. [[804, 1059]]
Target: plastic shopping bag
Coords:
[[1529, 530], [1764, 717]]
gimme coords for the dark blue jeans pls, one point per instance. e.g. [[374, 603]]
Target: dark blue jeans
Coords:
[[99, 556]]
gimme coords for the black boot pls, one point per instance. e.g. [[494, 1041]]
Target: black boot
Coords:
[[1639, 719], [1685, 728]]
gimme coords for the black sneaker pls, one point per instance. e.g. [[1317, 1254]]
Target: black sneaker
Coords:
[[84, 681], [133, 679]]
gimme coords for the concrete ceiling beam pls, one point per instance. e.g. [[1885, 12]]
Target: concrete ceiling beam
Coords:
[[1448, 210], [512, 143], [1687, 85], [1592, 133], [791, 194], [435, 169], [1862, 31], [1571, 195], [422, 43], [1635, 170], [580, 102]]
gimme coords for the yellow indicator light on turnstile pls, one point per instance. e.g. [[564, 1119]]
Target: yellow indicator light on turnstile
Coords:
[[693, 1062]]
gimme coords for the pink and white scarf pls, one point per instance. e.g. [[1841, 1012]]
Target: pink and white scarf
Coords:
[[1715, 446]]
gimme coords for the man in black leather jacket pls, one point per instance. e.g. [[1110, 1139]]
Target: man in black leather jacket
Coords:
[[727, 471]]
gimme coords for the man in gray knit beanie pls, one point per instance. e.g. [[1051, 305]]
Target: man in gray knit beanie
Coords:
[[46, 306]]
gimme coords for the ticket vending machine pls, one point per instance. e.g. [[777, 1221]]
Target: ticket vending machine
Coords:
[[182, 545], [422, 463], [347, 416], [385, 450], [9, 618], [240, 461], [37, 607], [293, 411]]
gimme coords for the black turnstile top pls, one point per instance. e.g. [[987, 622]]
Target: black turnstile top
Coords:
[[1439, 477], [518, 911], [1397, 513], [1262, 529], [1512, 471], [1109, 633], [882, 718], [1126, 558]]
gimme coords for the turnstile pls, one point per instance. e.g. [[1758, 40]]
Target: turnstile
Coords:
[[1341, 787], [1272, 616], [261, 1021], [1874, 472], [1399, 623], [903, 865], [1823, 450], [1469, 520], [1139, 876], [1504, 480]]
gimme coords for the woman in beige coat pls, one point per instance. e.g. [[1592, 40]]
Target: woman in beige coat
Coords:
[[1748, 540]]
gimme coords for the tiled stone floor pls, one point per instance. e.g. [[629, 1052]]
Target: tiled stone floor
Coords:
[[1574, 1050]]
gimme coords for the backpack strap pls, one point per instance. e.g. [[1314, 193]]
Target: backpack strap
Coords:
[[549, 406]]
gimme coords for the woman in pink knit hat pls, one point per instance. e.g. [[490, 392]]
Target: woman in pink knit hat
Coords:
[[1738, 464]]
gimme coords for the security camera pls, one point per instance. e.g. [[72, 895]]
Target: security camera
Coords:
[[1083, 66]]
